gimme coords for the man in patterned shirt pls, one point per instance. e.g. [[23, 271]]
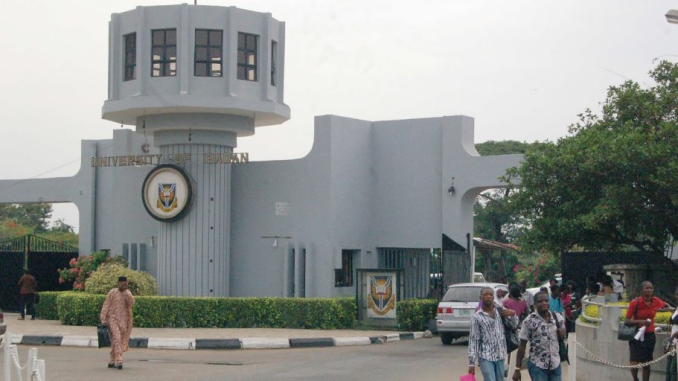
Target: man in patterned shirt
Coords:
[[541, 331], [487, 342]]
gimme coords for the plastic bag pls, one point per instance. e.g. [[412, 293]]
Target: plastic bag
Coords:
[[467, 377]]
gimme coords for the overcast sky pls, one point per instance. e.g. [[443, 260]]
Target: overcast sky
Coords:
[[522, 69]]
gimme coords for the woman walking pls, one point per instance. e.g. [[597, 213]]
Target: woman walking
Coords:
[[641, 312]]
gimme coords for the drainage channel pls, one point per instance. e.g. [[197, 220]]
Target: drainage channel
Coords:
[[160, 361]]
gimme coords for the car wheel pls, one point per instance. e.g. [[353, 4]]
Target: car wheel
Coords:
[[446, 338]]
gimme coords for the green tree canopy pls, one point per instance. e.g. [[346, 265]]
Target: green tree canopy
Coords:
[[34, 215], [612, 183]]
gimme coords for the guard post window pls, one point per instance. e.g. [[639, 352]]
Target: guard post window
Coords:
[[130, 64], [247, 56], [274, 61], [208, 51], [164, 53], [343, 277]]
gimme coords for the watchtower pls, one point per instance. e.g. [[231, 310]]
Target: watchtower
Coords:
[[195, 78]]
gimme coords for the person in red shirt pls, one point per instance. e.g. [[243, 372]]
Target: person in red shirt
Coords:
[[641, 312]]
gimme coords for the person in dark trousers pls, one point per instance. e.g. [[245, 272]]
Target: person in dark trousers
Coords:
[[29, 286], [641, 313]]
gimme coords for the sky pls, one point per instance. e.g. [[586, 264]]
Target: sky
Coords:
[[523, 69]]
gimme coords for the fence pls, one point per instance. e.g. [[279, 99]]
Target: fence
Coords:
[[34, 368]]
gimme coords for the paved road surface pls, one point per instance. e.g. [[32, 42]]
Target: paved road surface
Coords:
[[423, 359]]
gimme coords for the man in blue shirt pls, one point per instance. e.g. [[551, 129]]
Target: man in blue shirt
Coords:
[[555, 303]]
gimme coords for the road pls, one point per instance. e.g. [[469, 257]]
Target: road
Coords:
[[422, 359]]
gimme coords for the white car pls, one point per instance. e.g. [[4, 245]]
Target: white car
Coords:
[[546, 284], [457, 306]]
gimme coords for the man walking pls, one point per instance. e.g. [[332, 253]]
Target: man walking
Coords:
[[117, 314], [29, 286], [542, 331], [487, 342]]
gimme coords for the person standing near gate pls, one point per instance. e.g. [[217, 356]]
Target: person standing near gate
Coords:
[[487, 342], [29, 286], [117, 315]]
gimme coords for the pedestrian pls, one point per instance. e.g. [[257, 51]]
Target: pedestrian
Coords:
[[117, 315], [515, 303], [526, 295], [641, 312], [29, 286], [542, 329], [555, 303], [671, 371], [575, 306], [487, 341]]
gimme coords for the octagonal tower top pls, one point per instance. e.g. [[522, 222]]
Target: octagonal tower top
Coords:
[[176, 67]]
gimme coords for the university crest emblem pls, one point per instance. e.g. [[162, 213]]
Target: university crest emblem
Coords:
[[167, 197], [381, 298], [167, 193]]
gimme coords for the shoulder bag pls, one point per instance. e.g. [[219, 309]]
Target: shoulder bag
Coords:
[[562, 345], [627, 332], [511, 333]]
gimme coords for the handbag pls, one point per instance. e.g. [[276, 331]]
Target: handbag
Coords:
[[627, 332], [467, 377], [104, 336], [562, 345], [511, 333]]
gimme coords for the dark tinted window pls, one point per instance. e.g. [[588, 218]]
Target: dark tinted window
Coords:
[[208, 48], [164, 53]]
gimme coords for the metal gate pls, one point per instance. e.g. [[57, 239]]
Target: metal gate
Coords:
[[42, 256], [416, 264]]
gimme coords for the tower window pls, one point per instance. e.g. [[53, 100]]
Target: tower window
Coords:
[[247, 56], [164, 53], [274, 61], [208, 52], [130, 65]]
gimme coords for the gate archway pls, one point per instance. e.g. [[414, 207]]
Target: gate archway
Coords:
[[42, 256]]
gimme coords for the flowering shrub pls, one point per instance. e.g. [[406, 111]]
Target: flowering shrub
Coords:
[[544, 268], [82, 267]]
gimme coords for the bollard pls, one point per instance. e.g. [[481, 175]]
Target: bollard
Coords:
[[41, 370], [32, 356], [7, 366]]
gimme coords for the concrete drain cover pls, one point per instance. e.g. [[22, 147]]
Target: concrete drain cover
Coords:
[[191, 362]]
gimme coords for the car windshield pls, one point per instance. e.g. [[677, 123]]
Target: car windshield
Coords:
[[462, 294]]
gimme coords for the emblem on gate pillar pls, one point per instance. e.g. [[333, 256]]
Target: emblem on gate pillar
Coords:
[[167, 193], [381, 296]]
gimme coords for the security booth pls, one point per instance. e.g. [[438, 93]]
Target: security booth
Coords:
[[378, 292]]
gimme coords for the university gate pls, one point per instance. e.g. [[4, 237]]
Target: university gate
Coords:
[[41, 256]]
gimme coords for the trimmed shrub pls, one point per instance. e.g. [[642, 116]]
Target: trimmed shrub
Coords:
[[414, 314], [47, 308], [179, 312], [106, 277]]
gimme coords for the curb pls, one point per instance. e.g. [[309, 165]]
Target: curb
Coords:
[[217, 344]]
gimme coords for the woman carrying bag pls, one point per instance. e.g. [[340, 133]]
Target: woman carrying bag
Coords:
[[641, 312]]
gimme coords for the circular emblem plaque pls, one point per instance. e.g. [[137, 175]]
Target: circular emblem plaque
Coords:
[[167, 193]]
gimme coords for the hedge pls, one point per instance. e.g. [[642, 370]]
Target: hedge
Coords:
[[46, 308], [78, 308], [414, 314]]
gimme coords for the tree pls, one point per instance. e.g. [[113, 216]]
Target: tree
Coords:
[[611, 183], [35, 215]]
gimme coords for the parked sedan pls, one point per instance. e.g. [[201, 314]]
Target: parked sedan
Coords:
[[457, 306]]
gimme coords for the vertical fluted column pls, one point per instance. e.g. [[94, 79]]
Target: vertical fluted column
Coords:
[[194, 251]]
